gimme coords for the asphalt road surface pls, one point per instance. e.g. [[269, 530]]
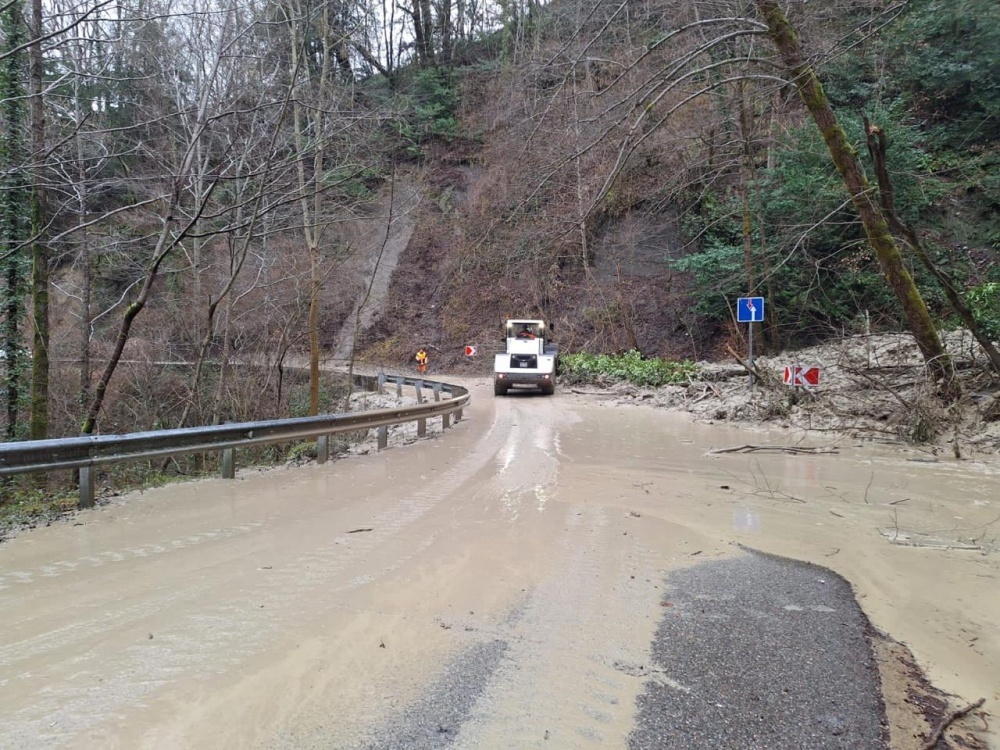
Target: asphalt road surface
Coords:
[[548, 573]]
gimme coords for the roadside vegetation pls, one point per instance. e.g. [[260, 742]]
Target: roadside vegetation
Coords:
[[631, 367], [27, 508]]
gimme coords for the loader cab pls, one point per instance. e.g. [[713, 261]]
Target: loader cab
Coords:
[[525, 335], [525, 330]]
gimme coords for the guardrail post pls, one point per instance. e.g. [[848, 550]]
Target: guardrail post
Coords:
[[87, 486], [399, 387], [417, 386], [458, 416], [437, 391], [322, 449], [383, 437], [421, 428], [229, 463], [380, 382], [445, 421]]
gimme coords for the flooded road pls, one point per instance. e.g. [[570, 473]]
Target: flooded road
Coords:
[[516, 562]]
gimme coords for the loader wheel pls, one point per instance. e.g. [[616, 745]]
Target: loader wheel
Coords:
[[499, 389], [548, 390]]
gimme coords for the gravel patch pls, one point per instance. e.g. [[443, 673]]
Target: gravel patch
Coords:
[[434, 721], [761, 652]]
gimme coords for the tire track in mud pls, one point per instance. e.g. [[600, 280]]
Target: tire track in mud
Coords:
[[554, 677], [129, 554], [516, 494], [558, 682], [210, 639], [576, 649]]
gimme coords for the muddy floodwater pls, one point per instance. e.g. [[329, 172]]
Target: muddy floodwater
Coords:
[[523, 550]]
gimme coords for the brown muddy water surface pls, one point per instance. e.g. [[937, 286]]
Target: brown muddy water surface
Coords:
[[307, 607]]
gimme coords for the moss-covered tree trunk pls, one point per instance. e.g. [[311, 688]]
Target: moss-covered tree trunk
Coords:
[[39, 425], [14, 196], [848, 165], [878, 145]]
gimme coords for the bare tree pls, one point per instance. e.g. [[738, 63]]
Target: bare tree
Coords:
[[301, 22], [171, 234]]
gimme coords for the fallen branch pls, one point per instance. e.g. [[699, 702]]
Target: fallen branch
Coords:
[[764, 378], [882, 386], [717, 375], [792, 449], [907, 538], [955, 715]]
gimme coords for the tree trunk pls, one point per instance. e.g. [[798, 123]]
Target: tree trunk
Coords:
[[369, 58], [311, 223], [877, 146], [39, 424], [13, 197], [845, 158], [427, 34], [227, 348], [163, 247], [447, 32], [85, 266], [418, 32]]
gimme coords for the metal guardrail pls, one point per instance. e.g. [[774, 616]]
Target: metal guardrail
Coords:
[[87, 453]]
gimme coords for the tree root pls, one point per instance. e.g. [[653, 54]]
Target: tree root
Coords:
[[947, 721]]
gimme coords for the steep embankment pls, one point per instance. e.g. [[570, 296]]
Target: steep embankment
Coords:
[[372, 266]]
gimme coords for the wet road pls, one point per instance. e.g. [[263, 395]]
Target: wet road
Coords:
[[509, 584]]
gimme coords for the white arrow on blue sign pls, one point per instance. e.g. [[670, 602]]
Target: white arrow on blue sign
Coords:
[[750, 310]]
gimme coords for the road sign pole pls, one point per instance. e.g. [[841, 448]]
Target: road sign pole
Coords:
[[750, 310]]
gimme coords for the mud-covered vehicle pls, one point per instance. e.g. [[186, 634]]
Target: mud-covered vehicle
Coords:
[[529, 359]]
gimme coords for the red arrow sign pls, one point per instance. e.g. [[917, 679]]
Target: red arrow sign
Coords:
[[808, 375], [801, 375], [470, 351]]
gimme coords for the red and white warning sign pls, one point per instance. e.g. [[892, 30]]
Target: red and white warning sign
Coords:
[[470, 351], [803, 375]]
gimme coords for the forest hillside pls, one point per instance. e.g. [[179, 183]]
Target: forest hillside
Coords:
[[205, 208]]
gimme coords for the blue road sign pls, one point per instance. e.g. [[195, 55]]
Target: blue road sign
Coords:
[[750, 310]]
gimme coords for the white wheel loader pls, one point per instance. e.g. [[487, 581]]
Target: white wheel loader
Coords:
[[529, 358]]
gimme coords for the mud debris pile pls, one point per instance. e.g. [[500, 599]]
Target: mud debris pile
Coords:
[[871, 386]]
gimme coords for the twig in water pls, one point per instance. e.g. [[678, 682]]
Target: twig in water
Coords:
[[870, 480], [773, 493]]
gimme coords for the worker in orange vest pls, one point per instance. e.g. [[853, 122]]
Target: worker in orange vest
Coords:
[[421, 361]]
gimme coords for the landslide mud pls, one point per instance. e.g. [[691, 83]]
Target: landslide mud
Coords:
[[313, 607]]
